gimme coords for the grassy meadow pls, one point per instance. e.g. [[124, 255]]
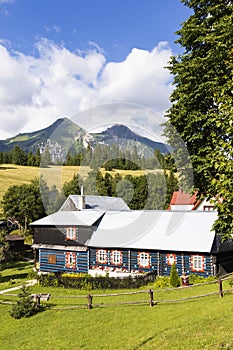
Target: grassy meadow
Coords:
[[11, 174], [198, 324]]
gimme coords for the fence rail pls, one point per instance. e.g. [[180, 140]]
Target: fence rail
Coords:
[[151, 299]]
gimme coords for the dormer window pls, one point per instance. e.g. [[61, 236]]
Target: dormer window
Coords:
[[71, 233]]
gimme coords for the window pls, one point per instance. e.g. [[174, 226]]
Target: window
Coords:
[[101, 256], [198, 263], [71, 233], [70, 260], [116, 257], [144, 259], [170, 259], [208, 207]]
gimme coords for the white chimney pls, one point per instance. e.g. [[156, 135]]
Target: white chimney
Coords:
[[81, 200]]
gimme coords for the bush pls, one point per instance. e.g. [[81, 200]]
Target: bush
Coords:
[[195, 279], [25, 306], [174, 277], [161, 282], [87, 282]]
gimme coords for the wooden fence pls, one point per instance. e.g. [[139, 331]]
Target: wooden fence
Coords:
[[149, 296]]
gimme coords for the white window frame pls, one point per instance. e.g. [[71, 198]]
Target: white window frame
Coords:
[[116, 257], [171, 259], [102, 256], [144, 259], [71, 233], [70, 260], [198, 262]]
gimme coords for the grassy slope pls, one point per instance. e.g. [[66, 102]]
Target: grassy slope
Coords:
[[198, 324], [16, 175]]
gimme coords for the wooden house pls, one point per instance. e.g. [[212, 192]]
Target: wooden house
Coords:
[[184, 201], [16, 242], [83, 202], [61, 239], [130, 242], [145, 241]]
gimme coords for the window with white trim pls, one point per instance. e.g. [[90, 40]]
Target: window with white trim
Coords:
[[70, 260], [116, 257], [197, 263], [71, 233], [170, 259], [102, 256], [144, 259]]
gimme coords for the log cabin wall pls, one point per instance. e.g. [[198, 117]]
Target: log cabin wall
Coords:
[[112, 259], [55, 260], [159, 262]]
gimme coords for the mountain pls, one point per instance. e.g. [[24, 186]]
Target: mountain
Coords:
[[122, 136], [58, 137], [64, 135]]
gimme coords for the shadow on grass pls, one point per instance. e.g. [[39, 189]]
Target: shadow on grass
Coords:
[[143, 343], [7, 167], [13, 277]]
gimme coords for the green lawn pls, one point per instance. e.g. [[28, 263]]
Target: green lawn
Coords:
[[14, 274], [198, 324]]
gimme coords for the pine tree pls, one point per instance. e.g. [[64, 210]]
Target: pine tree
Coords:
[[174, 277], [25, 306]]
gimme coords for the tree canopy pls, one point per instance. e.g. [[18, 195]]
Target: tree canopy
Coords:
[[24, 203], [202, 108]]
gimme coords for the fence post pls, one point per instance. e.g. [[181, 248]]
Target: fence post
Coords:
[[220, 291], [151, 297], [89, 301], [38, 300]]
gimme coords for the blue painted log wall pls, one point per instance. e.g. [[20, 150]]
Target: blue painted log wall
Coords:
[[60, 265], [158, 262]]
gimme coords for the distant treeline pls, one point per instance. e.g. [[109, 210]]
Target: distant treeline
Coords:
[[149, 191], [113, 157], [102, 156], [18, 156]]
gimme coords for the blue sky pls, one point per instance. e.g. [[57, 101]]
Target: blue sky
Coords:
[[61, 58]]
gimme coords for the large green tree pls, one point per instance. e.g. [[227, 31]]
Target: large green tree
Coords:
[[24, 203], [202, 106]]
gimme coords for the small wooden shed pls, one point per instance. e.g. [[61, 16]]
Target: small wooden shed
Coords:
[[16, 242]]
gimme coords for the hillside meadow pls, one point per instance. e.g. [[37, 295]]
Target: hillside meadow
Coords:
[[204, 323], [11, 174]]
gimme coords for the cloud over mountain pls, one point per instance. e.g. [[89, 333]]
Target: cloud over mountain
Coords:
[[56, 82]]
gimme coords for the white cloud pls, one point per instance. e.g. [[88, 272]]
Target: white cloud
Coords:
[[54, 28], [35, 91]]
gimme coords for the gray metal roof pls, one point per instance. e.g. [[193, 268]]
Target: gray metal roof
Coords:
[[159, 230], [97, 203], [64, 218]]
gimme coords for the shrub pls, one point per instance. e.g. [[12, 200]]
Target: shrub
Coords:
[[174, 277], [161, 282], [196, 279], [25, 306], [87, 282]]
